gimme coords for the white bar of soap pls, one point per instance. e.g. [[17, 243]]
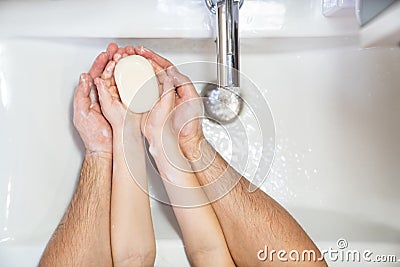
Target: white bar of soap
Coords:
[[137, 83]]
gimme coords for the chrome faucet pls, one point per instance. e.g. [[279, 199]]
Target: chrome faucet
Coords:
[[228, 43], [223, 102]]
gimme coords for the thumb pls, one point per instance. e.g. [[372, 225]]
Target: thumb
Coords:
[[167, 99]]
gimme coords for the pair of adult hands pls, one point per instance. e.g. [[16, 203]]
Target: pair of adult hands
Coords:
[[99, 112]]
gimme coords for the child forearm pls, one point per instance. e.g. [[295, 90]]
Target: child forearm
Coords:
[[132, 235], [203, 238]]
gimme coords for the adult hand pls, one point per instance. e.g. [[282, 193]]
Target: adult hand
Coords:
[[93, 128], [186, 118]]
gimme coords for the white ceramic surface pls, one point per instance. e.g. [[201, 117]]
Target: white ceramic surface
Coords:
[[166, 19], [384, 30], [336, 109]]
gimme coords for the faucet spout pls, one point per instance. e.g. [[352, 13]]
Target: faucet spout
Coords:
[[222, 101], [227, 15]]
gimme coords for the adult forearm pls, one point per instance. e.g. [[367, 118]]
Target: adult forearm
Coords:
[[132, 235], [254, 218], [83, 236]]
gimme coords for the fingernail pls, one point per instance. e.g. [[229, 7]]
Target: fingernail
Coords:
[[130, 50], [142, 49], [83, 78], [109, 68], [117, 56]]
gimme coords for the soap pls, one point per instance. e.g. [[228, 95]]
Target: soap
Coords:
[[137, 83]]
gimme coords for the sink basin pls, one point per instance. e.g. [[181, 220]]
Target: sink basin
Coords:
[[331, 124]]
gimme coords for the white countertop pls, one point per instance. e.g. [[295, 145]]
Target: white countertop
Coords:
[[165, 19]]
